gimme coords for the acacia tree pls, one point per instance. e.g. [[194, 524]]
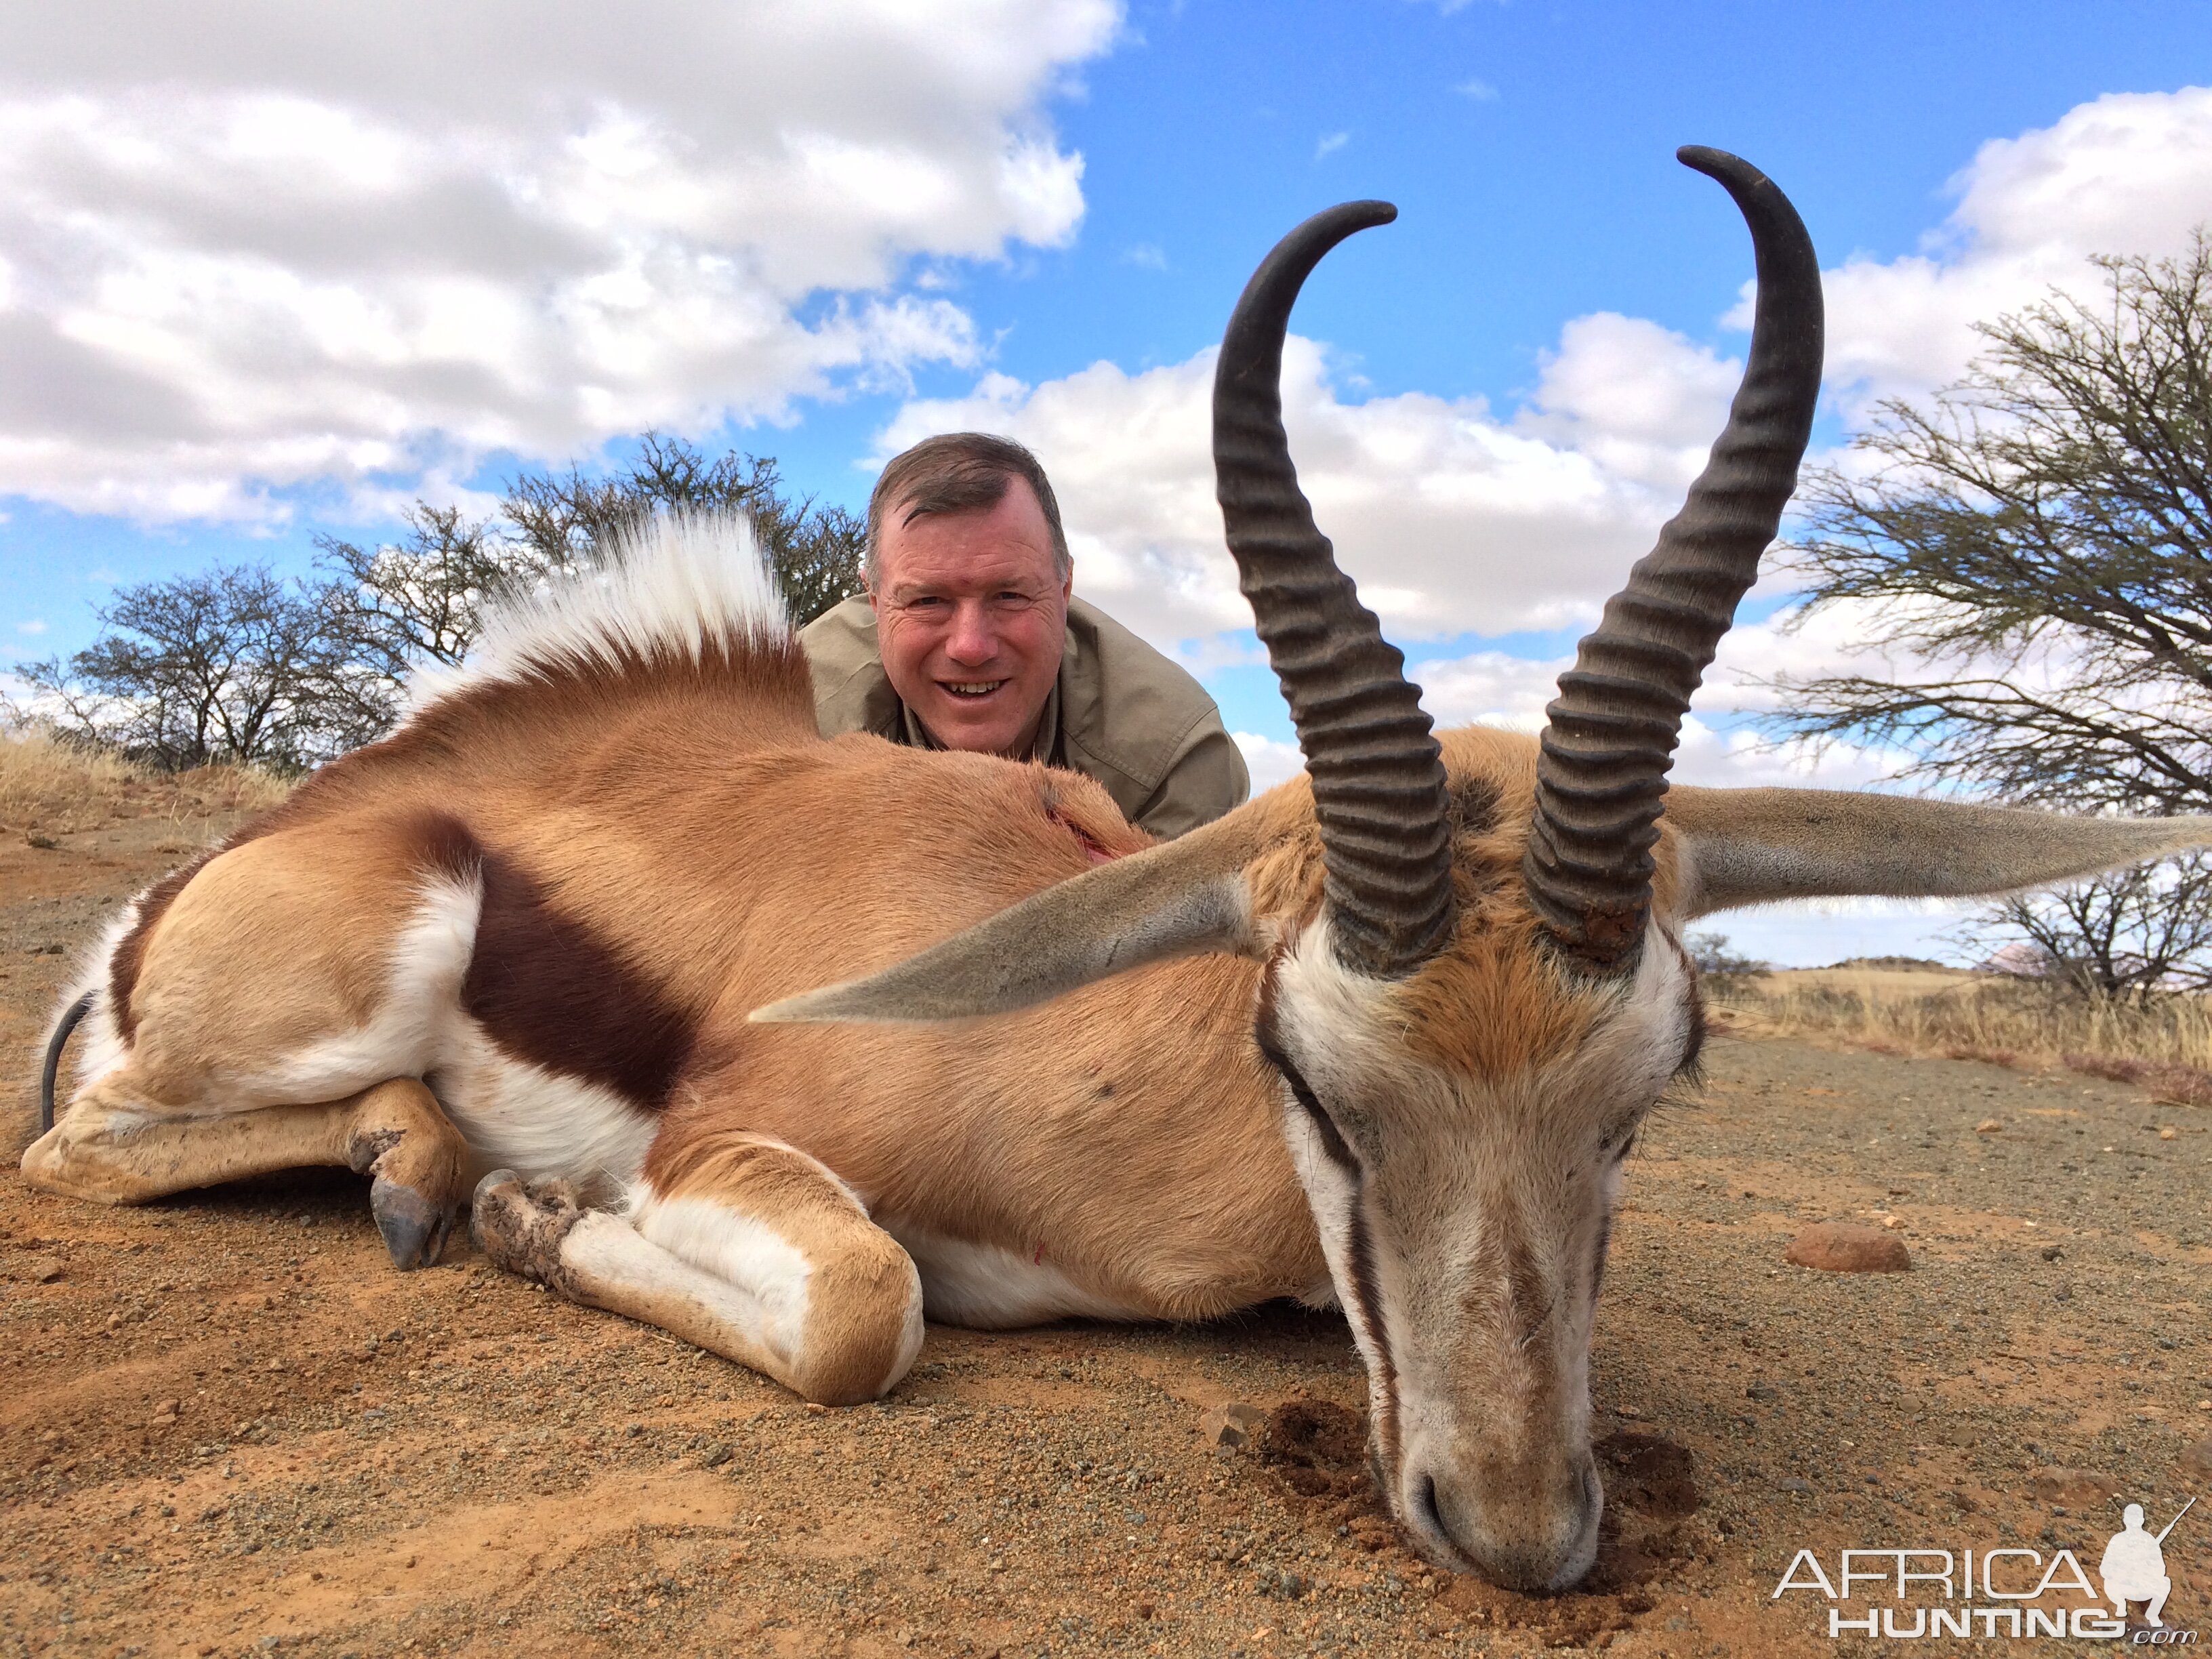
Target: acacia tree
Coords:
[[229, 665], [2036, 544], [238, 665]]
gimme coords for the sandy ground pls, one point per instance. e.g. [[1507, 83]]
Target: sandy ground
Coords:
[[227, 1426]]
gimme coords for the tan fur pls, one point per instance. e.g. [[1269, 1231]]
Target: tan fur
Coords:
[[716, 861]]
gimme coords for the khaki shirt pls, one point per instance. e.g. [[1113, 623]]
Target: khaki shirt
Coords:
[[1120, 712]]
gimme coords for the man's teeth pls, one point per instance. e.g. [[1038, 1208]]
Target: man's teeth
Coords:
[[972, 688]]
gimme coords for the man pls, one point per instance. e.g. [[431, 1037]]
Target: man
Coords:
[[969, 637]]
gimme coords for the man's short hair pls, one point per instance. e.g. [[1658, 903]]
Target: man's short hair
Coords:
[[959, 472]]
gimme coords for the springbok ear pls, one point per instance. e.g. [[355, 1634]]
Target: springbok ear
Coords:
[[1755, 846], [1185, 898]]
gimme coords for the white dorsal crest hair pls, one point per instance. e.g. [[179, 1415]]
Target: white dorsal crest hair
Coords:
[[670, 585], [1388, 1028]]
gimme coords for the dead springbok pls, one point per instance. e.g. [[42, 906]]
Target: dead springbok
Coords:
[[559, 921]]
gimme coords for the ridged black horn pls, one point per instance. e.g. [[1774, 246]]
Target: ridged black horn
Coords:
[[1602, 773], [1378, 780]]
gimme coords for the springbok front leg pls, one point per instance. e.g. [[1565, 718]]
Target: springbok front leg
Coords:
[[112, 1150], [750, 1249]]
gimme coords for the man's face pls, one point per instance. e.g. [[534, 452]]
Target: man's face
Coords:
[[970, 615]]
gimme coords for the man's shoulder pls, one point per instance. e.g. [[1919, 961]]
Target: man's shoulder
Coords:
[[1125, 704], [852, 693]]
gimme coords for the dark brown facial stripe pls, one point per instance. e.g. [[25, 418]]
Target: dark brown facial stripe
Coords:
[[548, 989], [1597, 1256], [1367, 1308], [1693, 1014]]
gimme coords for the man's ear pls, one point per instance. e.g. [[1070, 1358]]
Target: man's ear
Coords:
[[1185, 897], [1743, 847]]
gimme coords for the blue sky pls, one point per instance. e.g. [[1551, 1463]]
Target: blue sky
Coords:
[[258, 280]]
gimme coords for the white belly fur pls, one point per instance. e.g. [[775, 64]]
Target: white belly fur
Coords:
[[987, 1288]]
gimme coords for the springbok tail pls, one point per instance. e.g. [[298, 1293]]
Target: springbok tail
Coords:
[[71, 1016]]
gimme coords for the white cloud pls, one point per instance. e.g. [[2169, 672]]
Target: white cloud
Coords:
[[2128, 174], [1330, 144], [1269, 760], [36, 625], [1147, 255], [248, 244], [1456, 519], [1450, 519], [1476, 88]]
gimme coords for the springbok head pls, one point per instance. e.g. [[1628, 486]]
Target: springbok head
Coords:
[[1482, 994]]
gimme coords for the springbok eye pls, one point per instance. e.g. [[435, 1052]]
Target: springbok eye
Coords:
[[1332, 1139]]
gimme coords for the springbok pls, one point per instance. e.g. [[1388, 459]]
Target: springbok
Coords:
[[1384, 1036]]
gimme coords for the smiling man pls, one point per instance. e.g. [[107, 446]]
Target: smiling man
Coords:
[[969, 637]]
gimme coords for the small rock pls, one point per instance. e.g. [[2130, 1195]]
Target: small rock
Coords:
[[714, 1456], [2196, 1460], [2051, 1253], [2086, 1489], [165, 1414], [1802, 1488], [44, 843], [42, 1269], [2169, 1134], [1762, 1391], [1989, 1126], [1844, 1247], [1232, 1425]]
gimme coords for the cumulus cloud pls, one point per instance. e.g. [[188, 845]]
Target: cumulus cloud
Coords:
[[1451, 519], [248, 244], [1457, 519], [2128, 174]]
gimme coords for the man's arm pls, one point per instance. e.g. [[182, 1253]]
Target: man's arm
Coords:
[[1207, 779]]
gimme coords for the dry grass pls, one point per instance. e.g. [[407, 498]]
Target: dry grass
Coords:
[[59, 788], [2162, 1042]]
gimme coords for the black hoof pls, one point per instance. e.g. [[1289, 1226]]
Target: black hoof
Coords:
[[414, 1229]]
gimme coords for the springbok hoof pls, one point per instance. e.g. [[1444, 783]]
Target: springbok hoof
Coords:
[[520, 1226], [414, 1229]]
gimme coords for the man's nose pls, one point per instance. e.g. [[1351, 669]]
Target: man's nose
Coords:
[[972, 639]]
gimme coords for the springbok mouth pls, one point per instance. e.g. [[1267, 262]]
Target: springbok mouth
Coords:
[[970, 688]]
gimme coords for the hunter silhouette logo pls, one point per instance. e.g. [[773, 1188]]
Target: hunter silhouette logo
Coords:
[[2134, 1565]]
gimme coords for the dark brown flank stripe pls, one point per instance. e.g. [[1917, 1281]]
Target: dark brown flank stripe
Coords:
[[761, 670], [130, 953], [547, 988]]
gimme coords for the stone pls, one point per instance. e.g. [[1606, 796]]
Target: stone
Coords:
[[2052, 1252], [42, 1269], [1844, 1247], [2196, 1461], [1231, 1425], [1989, 1126], [165, 1414], [2086, 1489]]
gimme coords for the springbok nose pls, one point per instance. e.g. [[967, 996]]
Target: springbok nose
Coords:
[[1521, 1534]]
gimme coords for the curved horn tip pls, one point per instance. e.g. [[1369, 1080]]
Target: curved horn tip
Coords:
[[1720, 164]]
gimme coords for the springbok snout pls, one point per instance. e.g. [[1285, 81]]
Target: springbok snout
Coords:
[[1527, 1524]]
